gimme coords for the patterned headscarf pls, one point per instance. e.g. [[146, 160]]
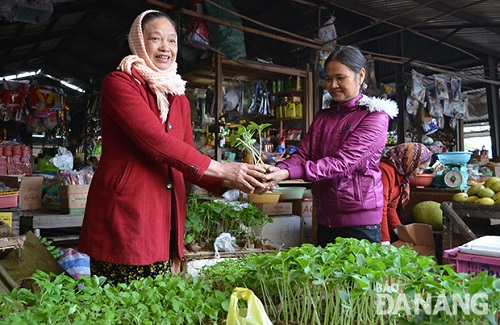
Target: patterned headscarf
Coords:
[[406, 157], [162, 81]]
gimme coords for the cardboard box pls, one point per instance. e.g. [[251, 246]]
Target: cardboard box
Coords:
[[418, 236], [73, 198], [30, 190], [494, 169], [276, 209], [303, 208]]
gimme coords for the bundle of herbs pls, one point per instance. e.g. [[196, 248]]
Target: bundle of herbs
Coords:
[[208, 217]]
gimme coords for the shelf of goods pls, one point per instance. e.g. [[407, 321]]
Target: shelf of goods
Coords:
[[289, 108]]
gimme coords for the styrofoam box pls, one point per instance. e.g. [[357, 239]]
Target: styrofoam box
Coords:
[[194, 267], [485, 246], [306, 230], [284, 232]]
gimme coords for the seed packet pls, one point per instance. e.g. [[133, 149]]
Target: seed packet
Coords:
[[441, 87], [456, 88], [417, 86], [453, 123], [412, 105], [447, 109], [435, 107]]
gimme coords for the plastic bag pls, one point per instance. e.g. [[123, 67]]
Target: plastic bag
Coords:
[[226, 243], [328, 35], [63, 159], [197, 31], [254, 314]]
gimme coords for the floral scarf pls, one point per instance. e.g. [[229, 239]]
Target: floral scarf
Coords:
[[406, 157]]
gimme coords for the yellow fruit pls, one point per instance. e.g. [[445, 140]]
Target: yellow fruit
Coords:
[[495, 187], [429, 212], [485, 201], [460, 197], [472, 198], [485, 192], [496, 196], [474, 188], [491, 180], [497, 202]]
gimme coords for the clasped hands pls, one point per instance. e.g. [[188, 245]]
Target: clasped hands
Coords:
[[256, 179]]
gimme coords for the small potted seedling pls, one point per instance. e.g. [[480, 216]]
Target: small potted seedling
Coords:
[[244, 140]]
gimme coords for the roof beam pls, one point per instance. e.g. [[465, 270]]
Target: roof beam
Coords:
[[440, 6]]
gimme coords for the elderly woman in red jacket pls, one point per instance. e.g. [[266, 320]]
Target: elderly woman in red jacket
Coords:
[[136, 208], [403, 162]]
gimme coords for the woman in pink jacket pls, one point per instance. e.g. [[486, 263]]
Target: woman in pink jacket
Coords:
[[136, 208], [341, 152]]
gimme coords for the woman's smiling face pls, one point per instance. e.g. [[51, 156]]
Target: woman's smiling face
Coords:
[[160, 40], [341, 82]]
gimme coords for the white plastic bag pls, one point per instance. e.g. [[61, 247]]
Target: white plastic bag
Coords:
[[225, 243], [63, 159]]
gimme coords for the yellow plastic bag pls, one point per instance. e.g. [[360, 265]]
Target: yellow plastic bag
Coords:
[[255, 314]]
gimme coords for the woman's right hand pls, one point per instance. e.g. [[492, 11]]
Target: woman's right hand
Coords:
[[276, 175], [244, 177]]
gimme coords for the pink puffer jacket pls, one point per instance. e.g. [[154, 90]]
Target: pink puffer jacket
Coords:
[[340, 155]]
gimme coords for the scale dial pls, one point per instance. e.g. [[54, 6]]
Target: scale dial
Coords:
[[453, 178]]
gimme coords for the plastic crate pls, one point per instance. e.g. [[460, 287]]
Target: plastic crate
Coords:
[[8, 201], [470, 263]]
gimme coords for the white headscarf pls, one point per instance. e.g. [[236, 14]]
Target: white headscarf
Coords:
[[162, 81]]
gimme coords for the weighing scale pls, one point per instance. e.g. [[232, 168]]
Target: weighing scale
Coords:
[[455, 174]]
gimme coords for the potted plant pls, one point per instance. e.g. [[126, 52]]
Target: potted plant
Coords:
[[244, 140]]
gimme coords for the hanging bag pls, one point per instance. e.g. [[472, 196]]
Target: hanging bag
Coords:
[[254, 314]]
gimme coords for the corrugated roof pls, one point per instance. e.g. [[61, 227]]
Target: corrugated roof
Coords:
[[84, 40]]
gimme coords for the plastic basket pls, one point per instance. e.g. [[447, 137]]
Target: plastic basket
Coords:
[[470, 263], [454, 157], [8, 201]]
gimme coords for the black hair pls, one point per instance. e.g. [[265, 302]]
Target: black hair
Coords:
[[349, 56], [153, 15]]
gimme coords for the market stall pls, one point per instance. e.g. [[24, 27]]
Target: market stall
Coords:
[[458, 218]]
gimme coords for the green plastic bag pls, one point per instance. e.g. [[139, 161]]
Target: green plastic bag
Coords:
[[255, 314]]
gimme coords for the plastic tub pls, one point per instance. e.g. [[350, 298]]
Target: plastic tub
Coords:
[[268, 197], [454, 157], [485, 245], [422, 180], [290, 193]]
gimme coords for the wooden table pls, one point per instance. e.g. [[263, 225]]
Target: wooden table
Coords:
[[458, 218], [37, 220]]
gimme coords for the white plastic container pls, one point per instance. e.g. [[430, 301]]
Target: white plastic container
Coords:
[[485, 246]]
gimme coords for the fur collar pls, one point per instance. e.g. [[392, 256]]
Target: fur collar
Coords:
[[376, 104]]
